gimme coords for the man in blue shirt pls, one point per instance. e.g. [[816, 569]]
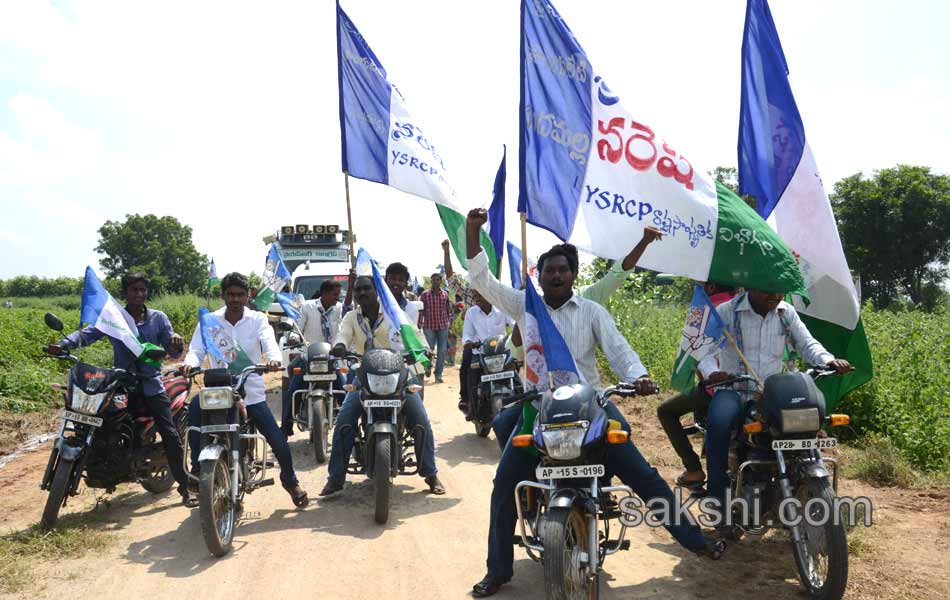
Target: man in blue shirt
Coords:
[[154, 327]]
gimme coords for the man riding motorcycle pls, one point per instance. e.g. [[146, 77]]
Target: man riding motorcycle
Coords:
[[250, 331], [154, 328], [768, 332], [363, 329], [482, 322], [585, 325]]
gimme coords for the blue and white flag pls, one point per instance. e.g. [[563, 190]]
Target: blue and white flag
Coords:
[[381, 141], [402, 332], [547, 359], [100, 310], [273, 280], [514, 267], [702, 335], [595, 175], [291, 303], [496, 212], [777, 168], [222, 349]]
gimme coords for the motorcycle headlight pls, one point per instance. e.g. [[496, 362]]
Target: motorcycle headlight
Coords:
[[802, 420], [564, 444], [215, 398], [319, 366], [82, 402], [494, 364], [382, 385]]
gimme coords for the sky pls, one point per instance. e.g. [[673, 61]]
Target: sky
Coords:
[[225, 115]]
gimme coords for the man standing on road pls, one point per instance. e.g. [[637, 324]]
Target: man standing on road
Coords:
[[155, 328], [436, 319]]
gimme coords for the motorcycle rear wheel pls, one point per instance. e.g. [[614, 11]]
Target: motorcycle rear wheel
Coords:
[[381, 477], [57, 494], [823, 561], [482, 429], [159, 482], [215, 510], [320, 431], [564, 537]]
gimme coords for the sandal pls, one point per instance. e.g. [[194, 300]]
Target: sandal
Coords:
[[435, 486], [299, 499], [682, 481]]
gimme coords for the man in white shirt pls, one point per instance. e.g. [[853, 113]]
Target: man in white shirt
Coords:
[[482, 322], [768, 331], [585, 326], [319, 321], [362, 329], [397, 279], [251, 331]]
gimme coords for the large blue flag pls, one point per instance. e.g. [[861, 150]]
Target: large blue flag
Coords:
[[777, 168], [547, 359], [291, 303], [381, 141], [496, 212]]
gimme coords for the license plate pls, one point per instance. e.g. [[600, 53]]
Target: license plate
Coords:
[[497, 376], [813, 444], [575, 472], [396, 403], [218, 428], [320, 377], [81, 418]]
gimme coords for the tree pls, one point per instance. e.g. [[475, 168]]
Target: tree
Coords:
[[895, 229], [161, 247], [729, 177]]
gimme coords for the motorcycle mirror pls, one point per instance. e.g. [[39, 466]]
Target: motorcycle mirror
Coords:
[[53, 322], [155, 354], [284, 326]]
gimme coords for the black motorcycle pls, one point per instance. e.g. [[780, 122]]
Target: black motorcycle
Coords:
[[107, 436], [776, 460], [565, 513], [232, 458], [315, 407], [384, 447], [498, 379]]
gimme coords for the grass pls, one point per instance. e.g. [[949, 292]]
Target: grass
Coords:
[[74, 536], [878, 461]]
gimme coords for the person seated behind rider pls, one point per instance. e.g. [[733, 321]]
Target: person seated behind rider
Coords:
[[251, 331], [482, 322], [319, 321], [693, 401], [767, 330], [599, 292], [585, 326], [363, 329], [155, 328], [397, 280]]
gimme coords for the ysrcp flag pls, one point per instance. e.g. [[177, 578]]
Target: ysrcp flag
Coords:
[[702, 334], [273, 280], [99, 309], [514, 267], [223, 350], [595, 175], [548, 361], [382, 142], [777, 168], [291, 303]]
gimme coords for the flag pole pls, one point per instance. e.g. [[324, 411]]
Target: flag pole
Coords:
[[349, 219], [732, 342], [524, 250]]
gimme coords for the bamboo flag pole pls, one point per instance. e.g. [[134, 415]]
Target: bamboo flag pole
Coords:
[[524, 250], [732, 342], [349, 219]]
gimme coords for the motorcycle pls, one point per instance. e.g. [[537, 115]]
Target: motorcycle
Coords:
[[232, 461], [776, 458], [315, 408], [499, 379], [565, 514], [383, 447], [106, 436]]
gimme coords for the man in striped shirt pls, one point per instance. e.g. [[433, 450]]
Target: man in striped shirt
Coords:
[[585, 326]]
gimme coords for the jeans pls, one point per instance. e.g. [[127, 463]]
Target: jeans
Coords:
[[504, 424], [669, 414], [348, 418], [623, 460], [259, 414], [297, 383], [159, 406], [725, 410], [465, 371], [438, 338]]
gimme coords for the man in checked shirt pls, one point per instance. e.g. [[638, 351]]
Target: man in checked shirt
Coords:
[[435, 319]]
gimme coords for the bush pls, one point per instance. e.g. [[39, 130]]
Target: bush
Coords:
[[878, 461]]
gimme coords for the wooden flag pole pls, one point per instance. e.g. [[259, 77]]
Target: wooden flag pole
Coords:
[[349, 219], [742, 357], [524, 250]]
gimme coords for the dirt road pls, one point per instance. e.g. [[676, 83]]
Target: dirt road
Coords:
[[433, 546]]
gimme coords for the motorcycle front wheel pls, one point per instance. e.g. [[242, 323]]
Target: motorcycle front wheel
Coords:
[[216, 511], [320, 431], [161, 480], [564, 537], [822, 558], [57, 494], [382, 463]]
